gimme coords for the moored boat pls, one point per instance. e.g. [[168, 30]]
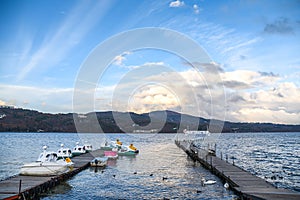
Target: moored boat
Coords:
[[88, 147], [64, 152], [99, 162], [117, 144], [132, 148], [125, 152], [47, 165], [111, 154], [106, 146], [78, 150]]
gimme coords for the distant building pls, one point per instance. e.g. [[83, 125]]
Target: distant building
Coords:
[[5, 106], [82, 116]]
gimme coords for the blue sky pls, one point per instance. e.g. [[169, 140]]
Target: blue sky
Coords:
[[255, 44]]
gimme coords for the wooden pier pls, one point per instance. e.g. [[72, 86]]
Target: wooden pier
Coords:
[[243, 183], [30, 187]]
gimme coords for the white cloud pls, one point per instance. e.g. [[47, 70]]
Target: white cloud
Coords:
[[147, 64], [273, 104], [196, 9], [267, 98], [2, 103], [267, 116], [251, 96], [185, 92], [176, 3], [246, 79], [153, 97], [119, 59], [42, 99], [153, 63]]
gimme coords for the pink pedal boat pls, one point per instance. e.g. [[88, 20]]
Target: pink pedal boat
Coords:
[[111, 154]]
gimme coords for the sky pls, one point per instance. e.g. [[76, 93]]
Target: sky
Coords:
[[252, 76]]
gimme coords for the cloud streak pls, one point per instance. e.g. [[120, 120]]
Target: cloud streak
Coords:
[[176, 4], [222, 43], [76, 26], [119, 59]]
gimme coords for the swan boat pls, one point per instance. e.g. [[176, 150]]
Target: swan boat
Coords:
[[126, 151], [123, 152], [78, 150], [111, 154], [131, 148], [106, 146], [47, 165], [110, 146], [88, 147], [64, 152]]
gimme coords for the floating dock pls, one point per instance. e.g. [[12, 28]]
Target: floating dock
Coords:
[[30, 187], [243, 183]]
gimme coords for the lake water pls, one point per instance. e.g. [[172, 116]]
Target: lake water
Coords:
[[274, 157], [161, 169]]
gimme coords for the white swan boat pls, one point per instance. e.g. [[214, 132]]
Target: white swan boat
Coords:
[[47, 165], [88, 147], [131, 148], [107, 146], [126, 151], [116, 144], [64, 152], [78, 150]]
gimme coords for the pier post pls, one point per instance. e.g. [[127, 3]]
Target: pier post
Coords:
[[221, 156], [20, 183], [226, 158]]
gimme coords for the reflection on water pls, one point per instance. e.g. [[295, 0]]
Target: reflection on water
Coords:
[[62, 188], [97, 169]]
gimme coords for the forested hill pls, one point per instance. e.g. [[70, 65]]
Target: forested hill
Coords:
[[23, 120]]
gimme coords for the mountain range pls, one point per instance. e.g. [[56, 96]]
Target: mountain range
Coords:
[[24, 120]]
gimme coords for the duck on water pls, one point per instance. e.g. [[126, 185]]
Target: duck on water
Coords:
[[207, 182]]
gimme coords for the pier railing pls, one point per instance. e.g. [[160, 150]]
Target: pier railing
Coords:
[[243, 183]]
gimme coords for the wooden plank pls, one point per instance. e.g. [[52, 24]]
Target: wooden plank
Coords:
[[276, 196]]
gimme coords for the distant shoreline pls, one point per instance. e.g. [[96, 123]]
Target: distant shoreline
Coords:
[[24, 120]]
